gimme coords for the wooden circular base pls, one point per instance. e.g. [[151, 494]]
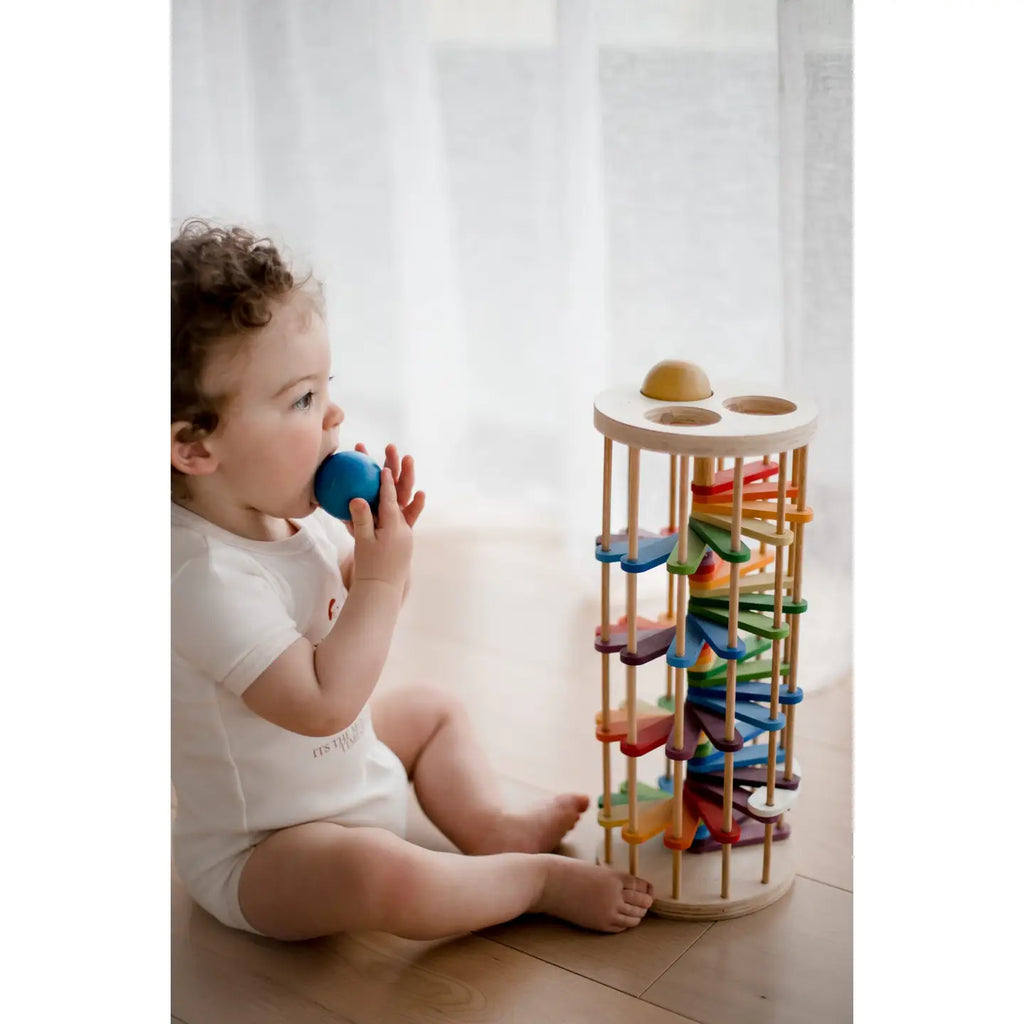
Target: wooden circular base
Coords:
[[700, 878]]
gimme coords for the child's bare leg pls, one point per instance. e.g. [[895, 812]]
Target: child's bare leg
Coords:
[[321, 878], [431, 733]]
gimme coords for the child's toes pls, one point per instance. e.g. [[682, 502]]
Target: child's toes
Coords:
[[634, 898], [630, 883], [632, 910]]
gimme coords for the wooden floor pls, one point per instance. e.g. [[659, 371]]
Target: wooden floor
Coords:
[[505, 621]]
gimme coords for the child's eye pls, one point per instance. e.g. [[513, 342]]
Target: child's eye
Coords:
[[305, 401]]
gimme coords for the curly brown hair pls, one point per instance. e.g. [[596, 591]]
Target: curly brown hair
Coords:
[[224, 285]]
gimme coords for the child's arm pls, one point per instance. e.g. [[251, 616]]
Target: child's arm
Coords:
[[318, 692], [346, 565]]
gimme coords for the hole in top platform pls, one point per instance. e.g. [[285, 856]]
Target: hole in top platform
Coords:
[[681, 416], [759, 405]]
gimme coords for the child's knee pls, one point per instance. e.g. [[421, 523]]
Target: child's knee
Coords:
[[393, 880], [445, 704], [433, 705], [409, 719]]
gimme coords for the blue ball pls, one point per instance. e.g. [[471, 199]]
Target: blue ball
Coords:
[[344, 476]]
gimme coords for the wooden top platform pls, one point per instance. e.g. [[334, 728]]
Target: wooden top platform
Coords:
[[737, 420]]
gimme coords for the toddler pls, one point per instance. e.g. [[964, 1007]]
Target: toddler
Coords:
[[291, 775]]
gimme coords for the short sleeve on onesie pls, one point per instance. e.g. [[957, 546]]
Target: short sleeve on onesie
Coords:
[[230, 620]]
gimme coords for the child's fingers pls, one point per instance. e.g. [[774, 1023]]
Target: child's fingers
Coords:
[[360, 447], [415, 507], [387, 507], [391, 460], [362, 519], [405, 481]]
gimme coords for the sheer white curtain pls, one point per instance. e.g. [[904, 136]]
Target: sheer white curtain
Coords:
[[516, 203]]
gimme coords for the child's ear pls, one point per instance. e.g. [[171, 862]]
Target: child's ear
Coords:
[[189, 455]]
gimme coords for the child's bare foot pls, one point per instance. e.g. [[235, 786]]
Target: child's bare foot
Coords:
[[535, 831], [593, 896]]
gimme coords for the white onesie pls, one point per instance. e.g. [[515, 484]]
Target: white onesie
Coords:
[[236, 605]]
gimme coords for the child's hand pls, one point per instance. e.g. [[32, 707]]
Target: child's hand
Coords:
[[382, 552], [404, 473]]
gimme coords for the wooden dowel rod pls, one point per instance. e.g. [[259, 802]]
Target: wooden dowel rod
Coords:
[[679, 696], [673, 590], [683, 499], [605, 600], [606, 505], [633, 544], [766, 461], [673, 524], [631, 703], [794, 629], [798, 528], [773, 736], [789, 732], [766, 866], [790, 556], [634, 501], [606, 753], [737, 504], [677, 766], [734, 596], [677, 822], [677, 799], [730, 677], [606, 760], [631, 724], [673, 470], [683, 502], [776, 622], [605, 686], [780, 518], [606, 700], [606, 778], [631, 783], [789, 738]]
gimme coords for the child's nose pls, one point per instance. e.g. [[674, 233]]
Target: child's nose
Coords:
[[333, 416]]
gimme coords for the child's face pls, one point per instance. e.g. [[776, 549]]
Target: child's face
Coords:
[[279, 423]]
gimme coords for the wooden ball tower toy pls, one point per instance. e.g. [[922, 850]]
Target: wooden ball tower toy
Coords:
[[729, 639]]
